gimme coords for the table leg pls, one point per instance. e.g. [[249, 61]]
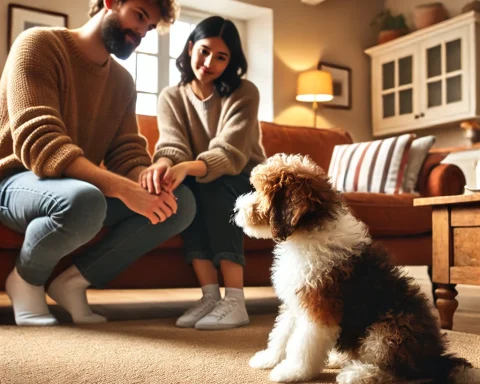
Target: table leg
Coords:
[[446, 304]]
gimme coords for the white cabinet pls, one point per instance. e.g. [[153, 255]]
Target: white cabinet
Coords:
[[427, 78]]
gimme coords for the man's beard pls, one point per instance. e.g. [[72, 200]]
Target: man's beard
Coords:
[[115, 38]]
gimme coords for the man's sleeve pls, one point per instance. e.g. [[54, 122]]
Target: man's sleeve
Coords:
[[39, 135], [128, 149]]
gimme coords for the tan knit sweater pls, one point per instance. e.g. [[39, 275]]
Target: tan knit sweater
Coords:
[[56, 105], [224, 132]]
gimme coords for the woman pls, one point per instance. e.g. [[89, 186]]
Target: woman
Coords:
[[210, 141]]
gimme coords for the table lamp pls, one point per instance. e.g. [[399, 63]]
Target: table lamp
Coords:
[[314, 86]]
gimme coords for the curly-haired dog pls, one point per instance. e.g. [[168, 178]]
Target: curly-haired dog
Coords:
[[338, 292]]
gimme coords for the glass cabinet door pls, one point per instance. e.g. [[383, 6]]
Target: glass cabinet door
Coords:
[[397, 89], [444, 85]]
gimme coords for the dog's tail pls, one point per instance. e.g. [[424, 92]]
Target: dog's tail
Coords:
[[452, 369]]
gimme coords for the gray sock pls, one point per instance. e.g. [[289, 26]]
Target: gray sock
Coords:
[[235, 292], [212, 289]]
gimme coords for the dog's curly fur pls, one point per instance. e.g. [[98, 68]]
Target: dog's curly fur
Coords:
[[338, 292]]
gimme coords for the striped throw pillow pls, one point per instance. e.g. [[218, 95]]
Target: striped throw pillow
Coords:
[[374, 166]]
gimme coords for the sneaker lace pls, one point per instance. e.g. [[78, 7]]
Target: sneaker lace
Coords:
[[200, 305], [224, 307]]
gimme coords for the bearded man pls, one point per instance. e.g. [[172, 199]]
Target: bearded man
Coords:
[[66, 107]]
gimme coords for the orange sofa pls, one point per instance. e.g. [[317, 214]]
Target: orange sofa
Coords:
[[403, 229]]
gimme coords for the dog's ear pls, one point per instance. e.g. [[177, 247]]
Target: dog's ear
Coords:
[[288, 205], [301, 202]]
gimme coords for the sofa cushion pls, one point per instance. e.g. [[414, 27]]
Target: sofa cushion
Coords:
[[13, 240], [374, 166], [257, 244], [9, 238], [390, 215]]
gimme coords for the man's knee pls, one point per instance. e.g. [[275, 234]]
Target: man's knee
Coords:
[[84, 209]]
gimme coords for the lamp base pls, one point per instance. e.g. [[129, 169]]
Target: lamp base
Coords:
[[315, 107]]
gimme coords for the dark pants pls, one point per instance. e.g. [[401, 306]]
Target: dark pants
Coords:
[[213, 235]]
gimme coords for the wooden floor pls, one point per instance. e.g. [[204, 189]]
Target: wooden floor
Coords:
[[120, 305]]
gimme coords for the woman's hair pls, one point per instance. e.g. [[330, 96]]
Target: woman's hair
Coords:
[[231, 77], [169, 10]]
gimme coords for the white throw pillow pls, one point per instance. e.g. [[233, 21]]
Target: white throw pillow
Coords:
[[416, 157]]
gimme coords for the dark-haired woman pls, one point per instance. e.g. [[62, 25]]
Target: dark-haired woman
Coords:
[[210, 141]]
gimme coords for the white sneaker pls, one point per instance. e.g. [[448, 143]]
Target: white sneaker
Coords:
[[228, 313], [200, 309]]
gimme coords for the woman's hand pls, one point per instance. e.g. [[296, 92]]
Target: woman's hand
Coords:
[[175, 175], [152, 178]]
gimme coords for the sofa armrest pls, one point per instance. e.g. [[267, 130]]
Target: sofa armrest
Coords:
[[443, 180]]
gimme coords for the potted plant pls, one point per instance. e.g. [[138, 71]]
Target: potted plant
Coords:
[[391, 26]]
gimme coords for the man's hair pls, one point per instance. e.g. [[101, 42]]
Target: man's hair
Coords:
[[169, 10]]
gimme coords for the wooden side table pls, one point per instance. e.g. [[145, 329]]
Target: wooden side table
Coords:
[[456, 248]]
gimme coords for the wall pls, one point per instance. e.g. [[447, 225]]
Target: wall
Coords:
[[450, 135], [407, 7], [77, 12], [260, 62], [335, 31]]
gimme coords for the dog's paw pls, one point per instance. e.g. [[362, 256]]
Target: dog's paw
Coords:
[[356, 372], [265, 359], [336, 360], [287, 371]]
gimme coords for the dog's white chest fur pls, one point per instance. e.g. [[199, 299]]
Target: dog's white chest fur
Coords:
[[288, 273], [305, 258]]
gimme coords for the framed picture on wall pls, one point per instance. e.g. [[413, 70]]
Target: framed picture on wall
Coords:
[[21, 17], [342, 85]]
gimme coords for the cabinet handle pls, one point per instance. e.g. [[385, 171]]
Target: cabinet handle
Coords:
[[422, 114], [416, 116]]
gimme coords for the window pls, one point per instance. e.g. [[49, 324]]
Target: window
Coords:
[[143, 66], [145, 63], [179, 33]]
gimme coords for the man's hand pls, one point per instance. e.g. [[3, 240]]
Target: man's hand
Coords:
[[157, 208], [151, 178], [175, 175]]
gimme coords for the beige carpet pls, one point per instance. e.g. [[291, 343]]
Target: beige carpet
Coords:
[[149, 351]]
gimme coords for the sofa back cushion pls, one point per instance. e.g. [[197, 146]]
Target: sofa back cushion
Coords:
[[276, 138], [147, 126], [317, 143]]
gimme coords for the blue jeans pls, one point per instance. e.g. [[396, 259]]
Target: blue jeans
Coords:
[[57, 216], [212, 234]]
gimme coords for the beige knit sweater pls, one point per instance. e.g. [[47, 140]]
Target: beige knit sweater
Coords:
[[224, 132], [56, 105]]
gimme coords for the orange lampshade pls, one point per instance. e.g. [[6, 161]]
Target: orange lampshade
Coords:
[[314, 86]]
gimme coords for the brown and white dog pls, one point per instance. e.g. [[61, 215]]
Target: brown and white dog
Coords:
[[338, 292]]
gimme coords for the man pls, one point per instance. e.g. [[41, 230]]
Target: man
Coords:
[[66, 106]]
